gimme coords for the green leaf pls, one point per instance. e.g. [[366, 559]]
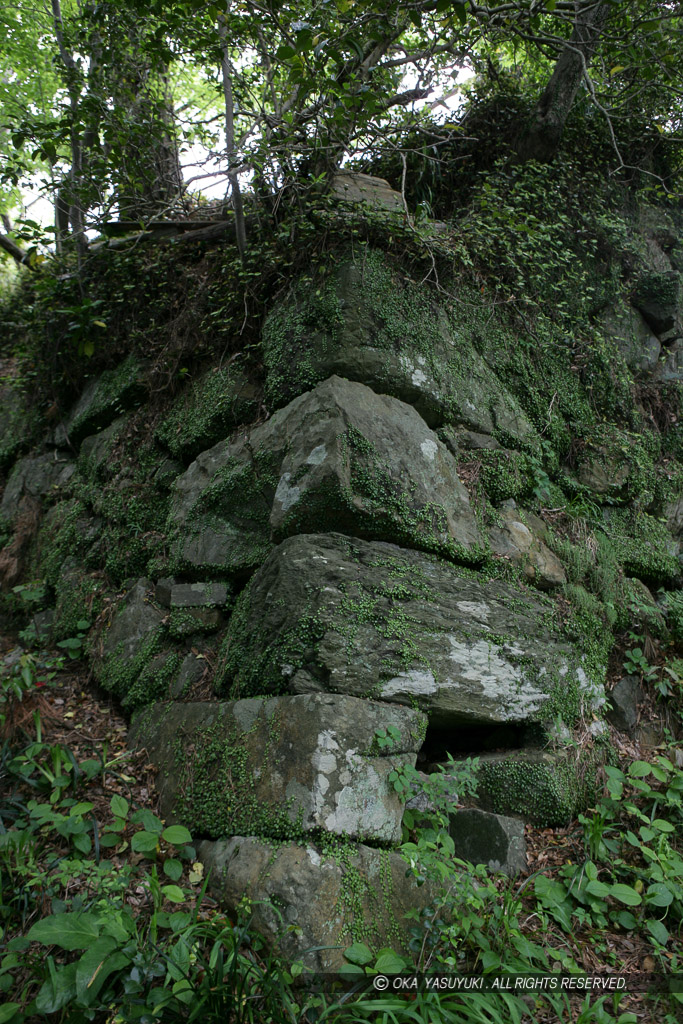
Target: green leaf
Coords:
[[663, 826], [58, 990], [358, 953], [89, 967], [173, 869], [119, 806], [144, 842], [7, 1011], [389, 962], [658, 931], [69, 931], [659, 895], [627, 920], [639, 769], [173, 893], [177, 835], [625, 894], [599, 889]]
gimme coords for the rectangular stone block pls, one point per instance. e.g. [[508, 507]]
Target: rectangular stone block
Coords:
[[282, 766]]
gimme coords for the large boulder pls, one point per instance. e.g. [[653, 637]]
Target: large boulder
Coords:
[[370, 324], [313, 906], [339, 457], [282, 764], [332, 614]]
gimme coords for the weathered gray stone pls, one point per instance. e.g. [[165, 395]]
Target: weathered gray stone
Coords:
[[352, 187], [129, 646], [135, 619], [187, 620], [17, 421], [674, 516], [366, 323], [516, 541], [103, 400], [634, 338], [339, 455], [657, 296], [311, 761], [624, 698], [328, 613], [94, 457], [492, 839], [191, 670], [208, 410], [37, 477], [198, 595], [329, 903]]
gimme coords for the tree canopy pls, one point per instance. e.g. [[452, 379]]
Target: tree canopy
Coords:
[[99, 100]]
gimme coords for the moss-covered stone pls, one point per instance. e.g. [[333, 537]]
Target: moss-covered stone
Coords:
[[208, 410], [366, 322], [103, 400], [541, 786], [327, 613]]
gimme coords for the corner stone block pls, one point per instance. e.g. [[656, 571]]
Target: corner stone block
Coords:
[[330, 903], [338, 455], [281, 764]]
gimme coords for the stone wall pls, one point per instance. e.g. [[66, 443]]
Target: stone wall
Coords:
[[364, 560]]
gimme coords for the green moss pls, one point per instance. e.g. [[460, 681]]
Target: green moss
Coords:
[[154, 681], [207, 411], [138, 680], [217, 787], [115, 391], [545, 789], [79, 597], [505, 474]]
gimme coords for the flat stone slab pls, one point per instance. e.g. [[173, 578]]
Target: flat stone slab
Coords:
[[326, 613], [339, 456], [328, 903], [282, 763], [492, 839]]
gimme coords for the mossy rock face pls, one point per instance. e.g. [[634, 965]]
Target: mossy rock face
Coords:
[[516, 540], [637, 344], [324, 902], [129, 646], [42, 477], [103, 400], [94, 458], [366, 323], [208, 410], [326, 613], [543, 787], [281, 766], [339, 456], [18, 422], [657, 295], [79, 598], [616, 464]]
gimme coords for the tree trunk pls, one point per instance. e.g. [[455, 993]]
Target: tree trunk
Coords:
[[226, 72], [542, 138], [18, 254]]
